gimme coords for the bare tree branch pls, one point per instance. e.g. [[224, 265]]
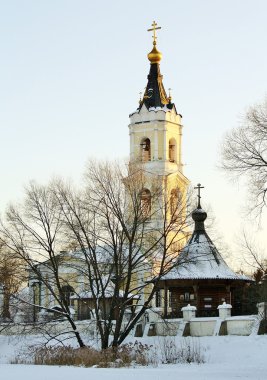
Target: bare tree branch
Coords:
[[244, 154]]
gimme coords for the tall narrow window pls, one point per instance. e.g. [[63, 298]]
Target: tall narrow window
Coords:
[[67, 292], [145, 150], [158, 298], [175, 203], [172, 150], [145, 203]]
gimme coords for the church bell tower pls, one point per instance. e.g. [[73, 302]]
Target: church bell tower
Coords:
[[156, 128], [156, 131]]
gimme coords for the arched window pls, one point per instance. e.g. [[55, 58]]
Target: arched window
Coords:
[[145, 150], [175, 203], [145, 203], [172, 150], [67, 292]]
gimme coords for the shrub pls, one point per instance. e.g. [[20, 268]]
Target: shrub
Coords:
[[123, 356], [126, 355], [189, 351]]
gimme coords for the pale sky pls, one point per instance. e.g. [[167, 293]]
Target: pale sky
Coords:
[[71, 73]]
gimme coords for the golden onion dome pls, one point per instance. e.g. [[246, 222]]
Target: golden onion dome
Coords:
[[154, 56]]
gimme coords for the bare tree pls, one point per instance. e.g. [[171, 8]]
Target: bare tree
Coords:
[[253, 258], [244, 153], [32, 232], [136, 229], [253, 255], [127, 228], [12, 277]]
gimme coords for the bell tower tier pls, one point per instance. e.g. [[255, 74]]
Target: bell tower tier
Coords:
[[156, 139], [155, 143]]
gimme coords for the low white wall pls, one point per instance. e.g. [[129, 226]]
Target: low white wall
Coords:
[[167, 328], [240, 326], [87, 327], [198, 327], [202, 327], [208, 326]]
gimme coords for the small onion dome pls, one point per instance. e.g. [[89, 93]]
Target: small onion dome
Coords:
[[154, 56], [199, 215]]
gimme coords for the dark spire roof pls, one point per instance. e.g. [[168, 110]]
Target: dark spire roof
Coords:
[[155, 94], [199, 216]]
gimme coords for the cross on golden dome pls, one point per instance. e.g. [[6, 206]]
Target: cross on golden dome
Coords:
[[153, 29], [154, 56]]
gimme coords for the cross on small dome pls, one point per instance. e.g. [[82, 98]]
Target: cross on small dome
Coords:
[[199, 215], [198, 187]]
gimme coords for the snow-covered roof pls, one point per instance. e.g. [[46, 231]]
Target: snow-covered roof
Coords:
[[104, 288], [102, 254], [200, 259], [164, 108], [108, 293]]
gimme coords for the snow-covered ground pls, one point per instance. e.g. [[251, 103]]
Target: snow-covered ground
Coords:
[[228, 357]]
